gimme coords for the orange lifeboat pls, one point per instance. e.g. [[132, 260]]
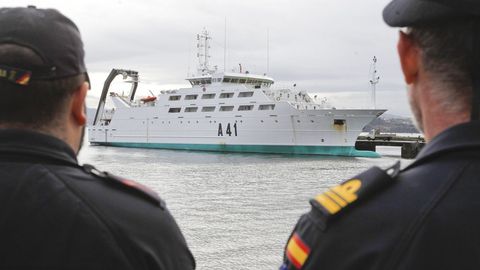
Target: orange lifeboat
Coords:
[[148, 99]]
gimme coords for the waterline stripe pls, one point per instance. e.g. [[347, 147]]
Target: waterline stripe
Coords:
[[348, 151]]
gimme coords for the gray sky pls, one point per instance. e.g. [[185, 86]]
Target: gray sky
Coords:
[[323, 46]]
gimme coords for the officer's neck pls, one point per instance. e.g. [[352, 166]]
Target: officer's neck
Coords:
[[437, 114]]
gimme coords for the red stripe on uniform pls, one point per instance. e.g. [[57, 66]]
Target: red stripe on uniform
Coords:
[[295, 263], [301, 244]]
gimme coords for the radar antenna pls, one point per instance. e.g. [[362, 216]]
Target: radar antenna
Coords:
[[374, 81]]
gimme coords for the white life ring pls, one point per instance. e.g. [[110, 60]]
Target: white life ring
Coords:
[[278, 98]]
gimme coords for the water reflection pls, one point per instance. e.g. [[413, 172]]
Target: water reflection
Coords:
[[236, 210]]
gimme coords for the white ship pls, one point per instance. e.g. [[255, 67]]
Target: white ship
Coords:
[[228, 112]]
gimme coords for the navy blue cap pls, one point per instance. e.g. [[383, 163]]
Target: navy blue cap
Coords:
[[51, 35], [413, 13], [402, 13]]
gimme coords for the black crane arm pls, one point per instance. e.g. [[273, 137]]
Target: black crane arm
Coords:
[[125, 73]]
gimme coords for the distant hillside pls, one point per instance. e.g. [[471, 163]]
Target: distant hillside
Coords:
[[394, 124]]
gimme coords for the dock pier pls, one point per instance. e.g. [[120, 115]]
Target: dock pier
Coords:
[[410, 146]]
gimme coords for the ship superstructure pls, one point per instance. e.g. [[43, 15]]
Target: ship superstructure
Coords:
[[228, 111]]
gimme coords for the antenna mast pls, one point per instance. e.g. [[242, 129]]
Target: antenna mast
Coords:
[[268, 50], [203, 54], [225, 48], [374, 81]]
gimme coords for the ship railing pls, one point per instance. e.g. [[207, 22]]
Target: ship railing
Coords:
[[303, 106]]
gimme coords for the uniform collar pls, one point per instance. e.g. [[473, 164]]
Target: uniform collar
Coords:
[[30, 144], [459, 137]]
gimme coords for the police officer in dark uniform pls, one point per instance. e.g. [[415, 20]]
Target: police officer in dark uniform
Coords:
[[425, 216], [54, 213]]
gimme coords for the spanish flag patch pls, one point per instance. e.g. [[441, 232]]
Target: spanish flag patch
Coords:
[[15, 75], [297, 251]]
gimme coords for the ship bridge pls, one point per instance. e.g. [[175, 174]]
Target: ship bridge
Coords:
[[232, 78], [207, 75]]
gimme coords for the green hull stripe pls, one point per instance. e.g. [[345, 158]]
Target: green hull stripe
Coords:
[[348, 151]]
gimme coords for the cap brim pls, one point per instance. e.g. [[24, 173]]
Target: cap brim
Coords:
[[402, 13]]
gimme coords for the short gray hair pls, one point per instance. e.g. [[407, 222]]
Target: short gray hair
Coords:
[[446, 53]]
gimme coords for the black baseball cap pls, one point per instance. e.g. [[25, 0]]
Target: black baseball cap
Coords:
[[402, 13], [51, 35]]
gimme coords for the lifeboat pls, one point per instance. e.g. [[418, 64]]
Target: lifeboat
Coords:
[[148, 99]]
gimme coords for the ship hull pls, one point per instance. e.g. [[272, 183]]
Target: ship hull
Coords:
[[348, 151], [315, 132]]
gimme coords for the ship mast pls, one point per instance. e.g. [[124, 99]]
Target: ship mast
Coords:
[[374, 81], [203, 54]]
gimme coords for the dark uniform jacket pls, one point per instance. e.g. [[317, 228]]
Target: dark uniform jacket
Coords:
[[55, 214], [425, 217]]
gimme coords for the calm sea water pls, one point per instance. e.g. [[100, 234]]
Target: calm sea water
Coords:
[[235, 210]]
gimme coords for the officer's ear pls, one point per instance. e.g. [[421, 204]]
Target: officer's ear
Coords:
[[77, 106], [409, 57]]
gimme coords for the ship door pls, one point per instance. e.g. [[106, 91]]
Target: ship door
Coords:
[[340, 125]]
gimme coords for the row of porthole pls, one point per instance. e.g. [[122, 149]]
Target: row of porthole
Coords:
[[311, 121], [214, 121], [241, 121], [188, 122], [261, 121]]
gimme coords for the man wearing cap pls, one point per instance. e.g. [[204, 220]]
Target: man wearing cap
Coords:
[[426, 215], [54, 213]]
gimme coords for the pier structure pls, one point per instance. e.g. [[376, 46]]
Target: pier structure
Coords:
[[410, 146]]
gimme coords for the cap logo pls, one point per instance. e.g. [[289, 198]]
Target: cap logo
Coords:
[[15, 75]]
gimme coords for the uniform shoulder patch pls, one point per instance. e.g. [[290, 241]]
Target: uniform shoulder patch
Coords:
[[297, 251], [131, 185], [300, 251], [340, 197], [300, 244]]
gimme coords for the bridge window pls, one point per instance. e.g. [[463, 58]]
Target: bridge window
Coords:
[[245, 94], [267, 84], [208, 109], [191, 109], [226, 108], [208, 96], [245, 108], [174, 110], [226, 95], [266, 107], [191, 97], [174, 97]]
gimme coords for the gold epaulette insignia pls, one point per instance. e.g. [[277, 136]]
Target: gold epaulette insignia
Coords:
[[362, 186]]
